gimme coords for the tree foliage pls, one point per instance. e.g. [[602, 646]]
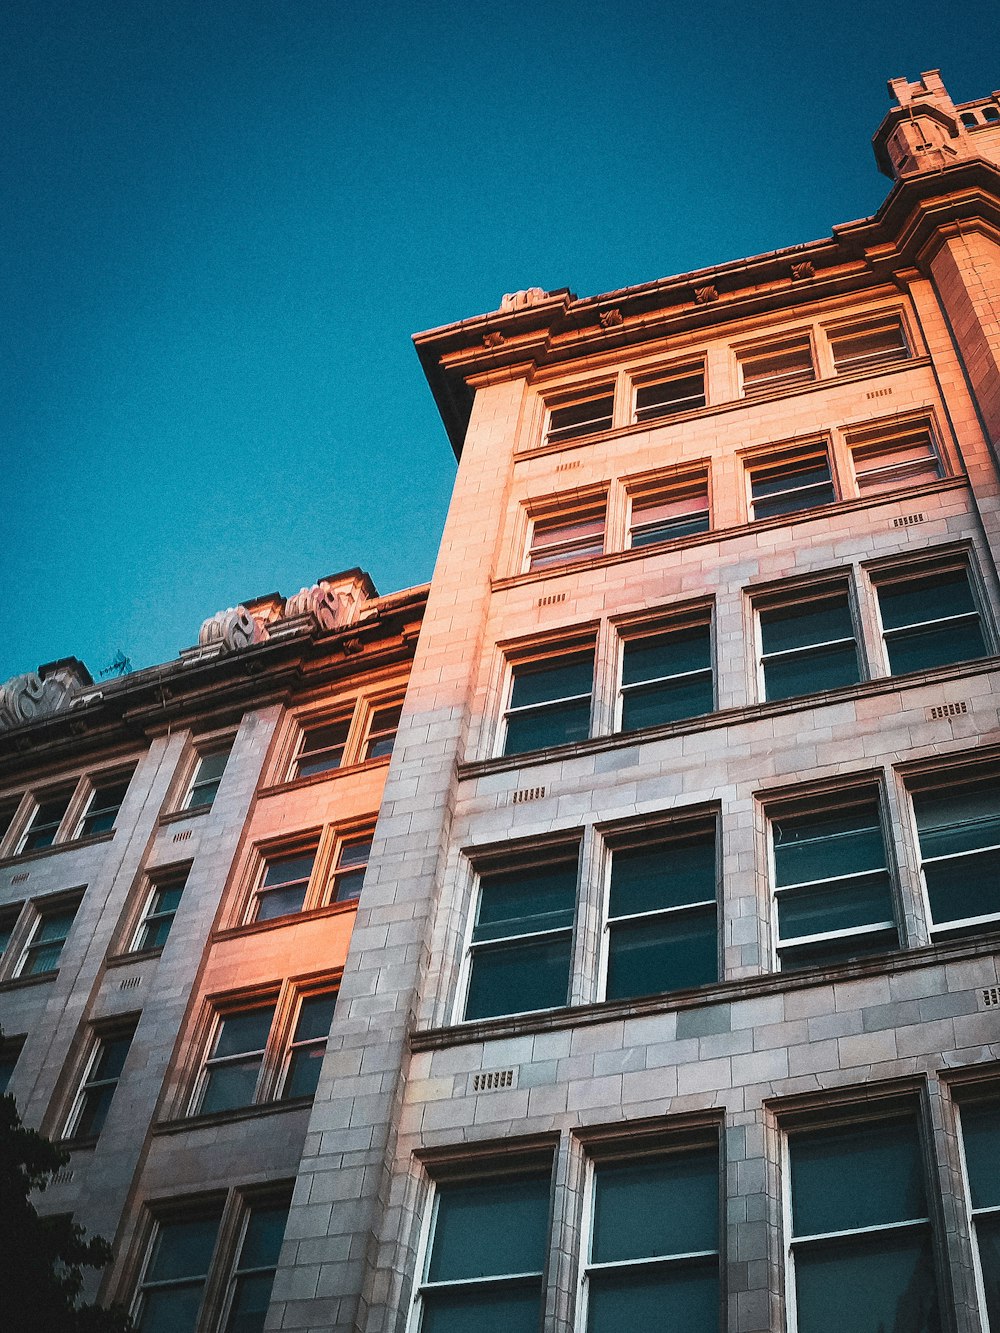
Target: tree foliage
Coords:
[[42, 1258]]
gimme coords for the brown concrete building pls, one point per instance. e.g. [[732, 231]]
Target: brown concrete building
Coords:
[[672, 998]]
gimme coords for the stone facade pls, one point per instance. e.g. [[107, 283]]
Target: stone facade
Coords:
[[704, 692]]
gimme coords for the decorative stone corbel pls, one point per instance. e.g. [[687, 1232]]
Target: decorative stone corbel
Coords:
[[231, 630], [518, 300], [706, 295], [27, 697], [494, 339], [611, 319], [802, 271]]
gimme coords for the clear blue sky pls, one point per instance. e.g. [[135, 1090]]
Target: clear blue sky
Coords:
[[224, 219]]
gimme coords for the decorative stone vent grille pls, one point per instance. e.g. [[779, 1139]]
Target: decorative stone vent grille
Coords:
[[991, 997], [947, 710], [64, 1176], [129, 983], [182, 836], [552, 598], [528, 794], [565, 467], [19, 879], [908, 520], [495, 1080]]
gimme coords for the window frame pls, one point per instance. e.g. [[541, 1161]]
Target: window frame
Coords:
[[783, 596], [651, 379], [678, 621], [359, 711], [571, 550], [95, 783], [59, 827], [40, 909], [156, 881], [867, 437], [782, 383], [684, 826], [576, 397], [265, 856], [293, 1043], [661, 490], [316, 724], [203, 751], [927, 566], [121, 1029], [977, 1096], [786, 457], [869, 323], [506, 861], [818, 801], [534, 658]]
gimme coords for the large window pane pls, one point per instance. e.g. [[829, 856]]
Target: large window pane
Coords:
[[981, 1139], [234, 1066], [518, 978], [930, 621], [683, 1300], [959, 830], [175, 1277], [882, 1285], [667, 677], [254, 1274], [808, 646], [550, 705]]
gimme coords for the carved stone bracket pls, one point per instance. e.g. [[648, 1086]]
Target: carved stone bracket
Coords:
[[706, 295], [611, 319], [518, 300], [495, 339], [802, 271], [27, 697], [231, 630], [332, 606]]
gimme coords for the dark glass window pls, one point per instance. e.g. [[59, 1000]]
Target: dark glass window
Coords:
[[173, 1284], [8, 920], [103, 806], [667, 677], [861, 1237], [322, 748], [684, 391], [9, 1052], [778, 367], [654, 1250], [585, 416], [41, 831], [98, 1087], [981, 1138], [930, 620], [808, 646], [522, 940], [232, 1071], [253, 1276], [868, 346], [679, 509], [550, 703], [207, 777], [959, 831], [160, 911], [349, 871], [8, 809], [282, 890], [832, 886], [786, 485], [564, 539], [382, 732], [487, 1257], [662, 917], [47, 940], [308, 1044]]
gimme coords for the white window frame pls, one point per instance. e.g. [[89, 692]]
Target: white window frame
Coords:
[[87, 1081], [669, 375], [788, 456], [204, 752], [988, 1096], [803, 596], [571, 550], [292, 1043], [662, 629], [948, 776], [885, 437], [784, 382], [265, 856], [677, 487], [41, 908], [526, 661], [572, 398], [96, 782], [899, 575], [59, 828], [872, 323], [166, 878], [317, 723]]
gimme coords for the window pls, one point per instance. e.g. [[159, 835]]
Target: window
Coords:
[[253, 1058], [283, 885], [308, 1044], [981, 1142], [207, 776], [10, 1049], [677, 509], [861, 1251], [667, 677], [45, 820], [991, 114], [8, 809], [161, 907], [102, 808], [808, 646], [549, 702], [585, 415], [249, 1292], [564, 539], [520, 951], [832, 889], [682, 391], [486, 1256], [349, 868], [969, 120], [653, 1259], [321, 749], [232, 1070], [790, 482], [8, 921], [45, 944], [177, 1267], [868, 346], [929, 620], [958, 826], [662, 931], [100, 1078], [777, 367], [382, 732], [890, 459]]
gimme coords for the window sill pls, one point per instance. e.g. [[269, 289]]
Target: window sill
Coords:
[[260, 1112], [630, 553], [717, 409], [175, 816], [723, 992], [277, 788], [140, 956], [726, 717], [77, 1145], [280, 922], [69, 844], [22, 983]]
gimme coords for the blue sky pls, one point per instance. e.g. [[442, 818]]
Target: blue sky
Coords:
[[224, 220]]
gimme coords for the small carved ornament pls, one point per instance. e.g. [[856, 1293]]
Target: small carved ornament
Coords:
[[493, 340], [611, 319], [706, 295], [231, 630], [27, 697], [518, 300], [802, 271]]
